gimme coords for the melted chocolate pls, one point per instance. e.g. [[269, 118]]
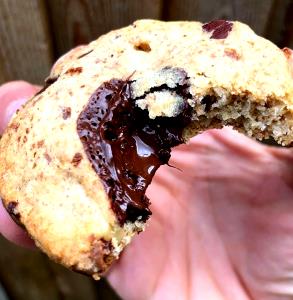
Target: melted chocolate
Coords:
[[126, 147]]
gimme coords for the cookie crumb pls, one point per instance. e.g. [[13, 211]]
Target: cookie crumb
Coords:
[[162, 92]]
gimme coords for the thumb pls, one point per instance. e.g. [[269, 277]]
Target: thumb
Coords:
[[12, 95]]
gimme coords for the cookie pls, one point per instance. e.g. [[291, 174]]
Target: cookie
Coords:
[[77, 158]]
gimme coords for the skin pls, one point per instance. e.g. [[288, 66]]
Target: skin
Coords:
[[222, 221]]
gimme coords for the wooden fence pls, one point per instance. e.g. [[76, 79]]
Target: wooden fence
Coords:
[[33, 33]]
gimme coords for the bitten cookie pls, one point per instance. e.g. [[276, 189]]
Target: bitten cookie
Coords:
[[77, 158]]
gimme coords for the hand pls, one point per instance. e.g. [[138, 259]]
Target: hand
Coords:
[[12, 96], [220, 228]]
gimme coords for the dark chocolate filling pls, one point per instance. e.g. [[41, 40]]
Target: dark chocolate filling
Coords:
[[126, 147]]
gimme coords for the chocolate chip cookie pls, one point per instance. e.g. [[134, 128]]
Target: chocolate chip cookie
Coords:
[[77, 159]]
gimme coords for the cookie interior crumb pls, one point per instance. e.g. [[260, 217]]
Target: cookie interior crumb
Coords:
[[260, 119], [257, 118]]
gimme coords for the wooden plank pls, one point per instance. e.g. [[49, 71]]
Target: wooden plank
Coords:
[[27, 274], [254, 13], [25, 51], [280, 27], [24, 274], [80, 21], [73, 286]]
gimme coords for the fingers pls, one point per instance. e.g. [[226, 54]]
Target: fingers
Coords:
[[12, 96], [12, 231], [220, 141]]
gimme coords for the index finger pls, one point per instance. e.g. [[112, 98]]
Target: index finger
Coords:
[[12, 96]]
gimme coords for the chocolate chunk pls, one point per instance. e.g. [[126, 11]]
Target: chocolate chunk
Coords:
[[126, 147], [76, 159], [101, 254], [143, 46], [66, 112], [73, 71], [208, 101], [51, 80], [12, 209], [47, 157], [13, 212], [85, 54], [219, 28], [48, 81], [40, 143]]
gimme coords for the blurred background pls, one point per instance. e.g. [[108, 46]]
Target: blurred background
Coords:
[[34, 33]]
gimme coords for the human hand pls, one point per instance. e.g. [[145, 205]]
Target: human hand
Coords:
[[221, 228]]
